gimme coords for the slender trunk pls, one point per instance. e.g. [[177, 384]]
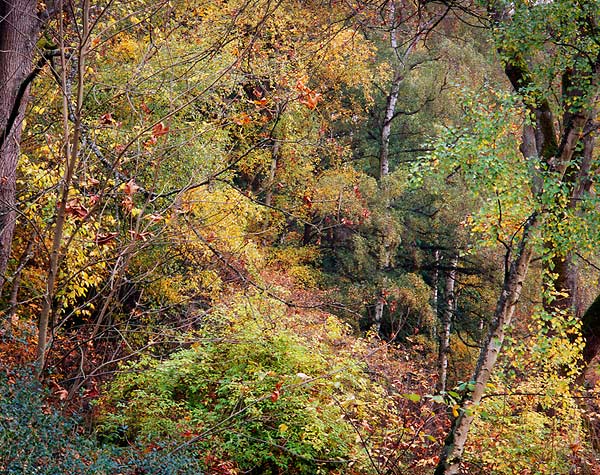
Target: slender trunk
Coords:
[[436, 284], [19, 28], [274, 161], [379, 306], [386, 130], [451, 458], [16, 284], [71, 148], [446, 324]]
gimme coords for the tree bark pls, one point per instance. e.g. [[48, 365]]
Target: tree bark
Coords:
[[452, 454], [386, 130], [19, 28], [446, 324]]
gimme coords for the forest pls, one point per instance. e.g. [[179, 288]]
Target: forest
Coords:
[[299, 237]]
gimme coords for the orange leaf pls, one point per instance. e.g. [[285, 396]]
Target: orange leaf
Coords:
[[310, 99], [242, 119], [261, 102]]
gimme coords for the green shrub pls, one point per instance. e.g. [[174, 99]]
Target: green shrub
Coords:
[[254, 394]]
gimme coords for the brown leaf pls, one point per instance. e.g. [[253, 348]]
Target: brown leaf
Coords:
[[140, 236], [76, 209], [61, 392], [127, 203], [105, 238], [145, 108], [154, 218], [107, 119], [130, 188]]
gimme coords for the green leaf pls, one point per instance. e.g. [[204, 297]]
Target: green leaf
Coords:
[[412, 397]]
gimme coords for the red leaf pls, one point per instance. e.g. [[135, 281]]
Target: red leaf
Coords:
[[92, 391], [159, 130], [277, 392]]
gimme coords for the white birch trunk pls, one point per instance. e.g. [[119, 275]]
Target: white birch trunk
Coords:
[[452, 454], [446, 327]]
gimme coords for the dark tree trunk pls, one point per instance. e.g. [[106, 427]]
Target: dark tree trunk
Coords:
[[19, 27], [590, 329]]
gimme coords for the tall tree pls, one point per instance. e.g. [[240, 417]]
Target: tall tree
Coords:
[[559, 154], [19, 28]]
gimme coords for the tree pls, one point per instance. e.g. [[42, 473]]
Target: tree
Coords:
[[558, 153], [19, 29]]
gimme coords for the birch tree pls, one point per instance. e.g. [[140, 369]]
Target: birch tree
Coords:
[[555, 144]]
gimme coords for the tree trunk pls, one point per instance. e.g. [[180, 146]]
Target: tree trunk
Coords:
[[71, 151], [451, 458], [275, 154], [564, 284], [18, 35], [390, 111], [379, 306], [436, 284], [446, 324]]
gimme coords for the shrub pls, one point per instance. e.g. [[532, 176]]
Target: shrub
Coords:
[[253, 393]]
